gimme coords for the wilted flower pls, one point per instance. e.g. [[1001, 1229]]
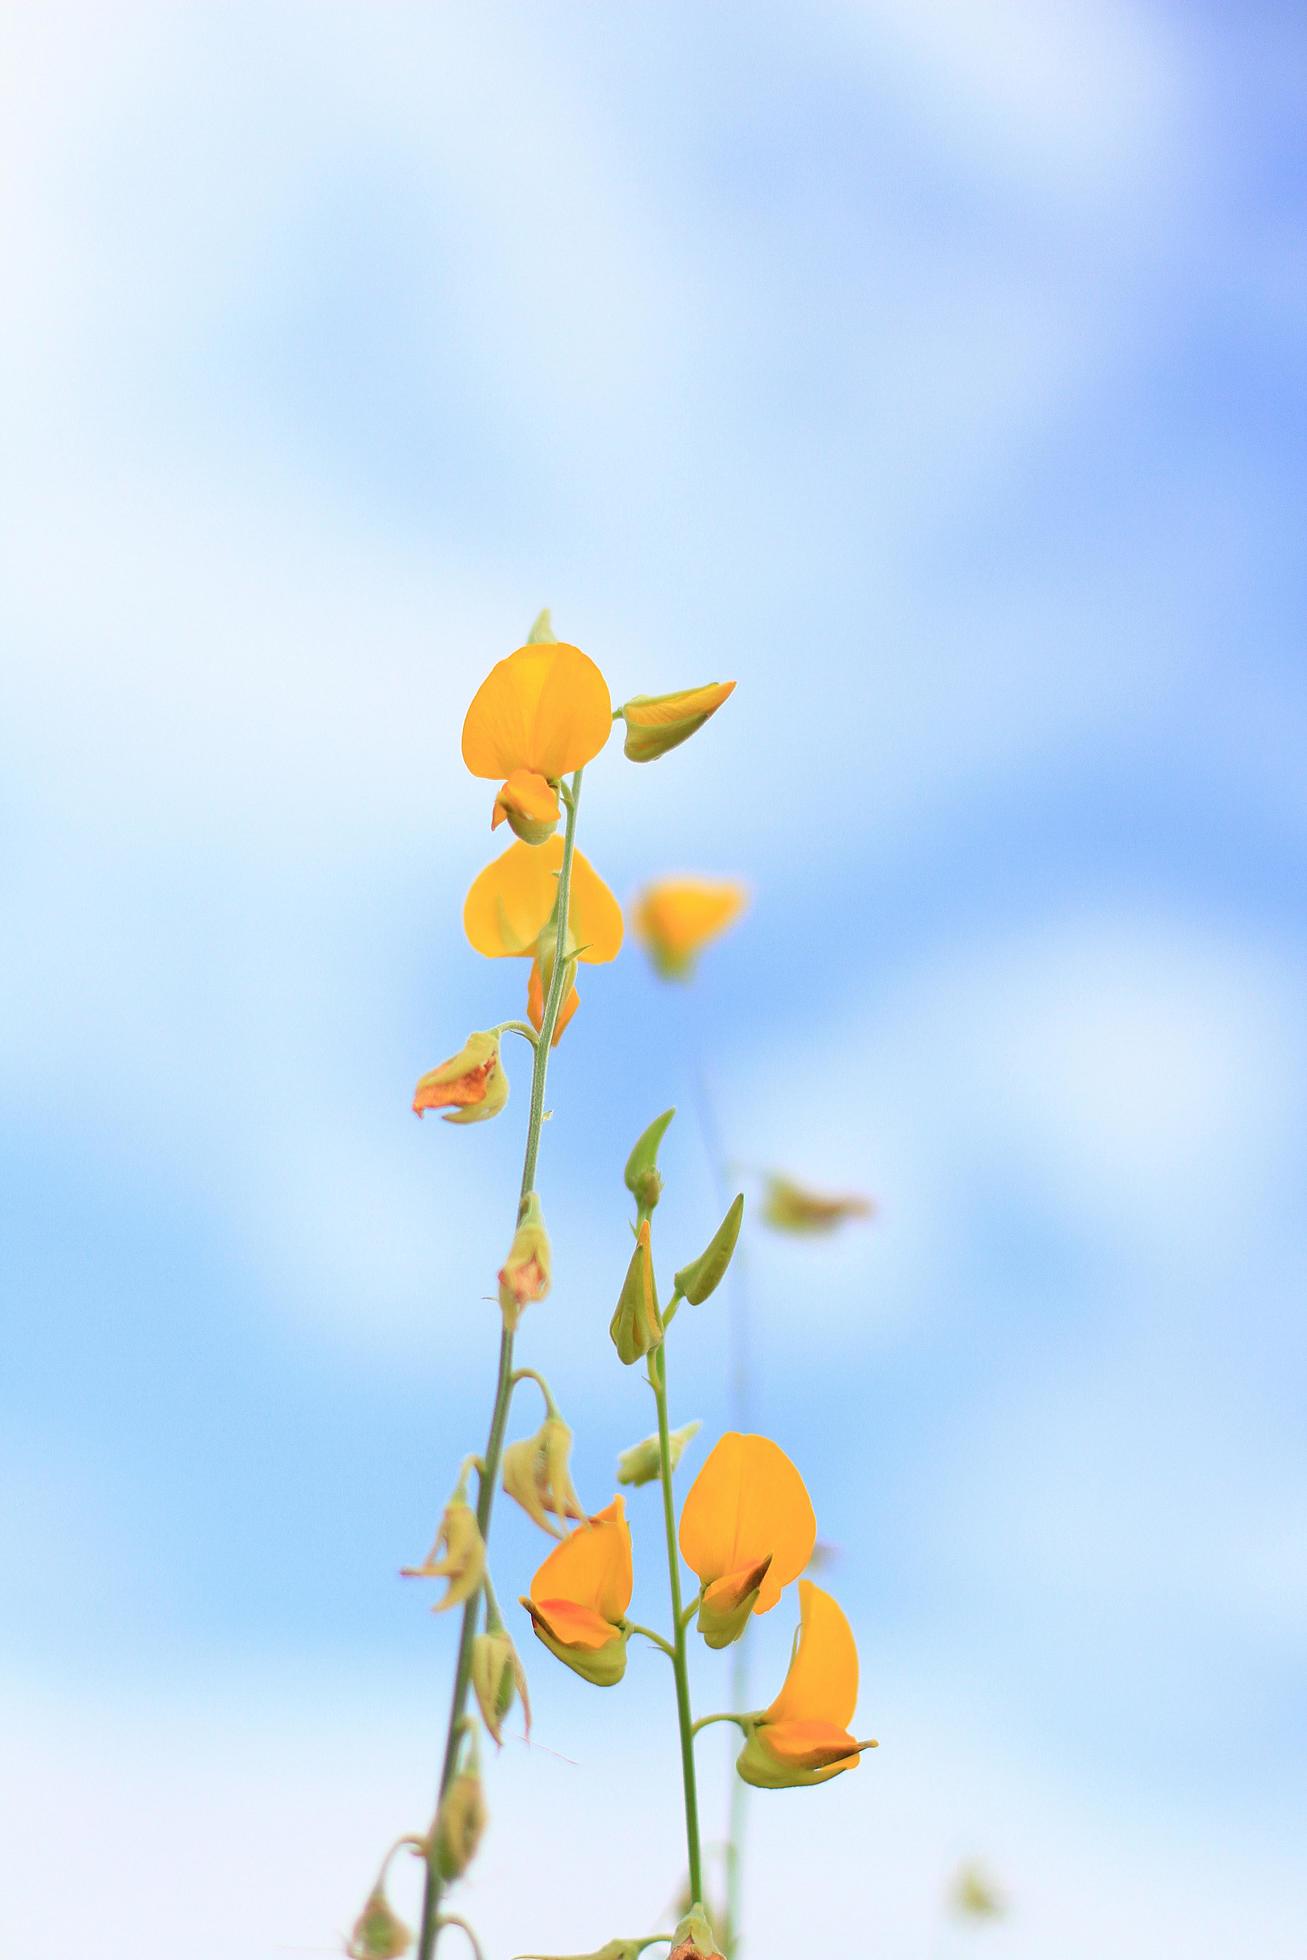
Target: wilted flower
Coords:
[[469, 1087], [497, 1676], [643, 1461], [803, 1737], [580, 1595], [789, 1207], [460, 1822], [458, 1554], [537, 716], [509, 914], [656, 723], [747, 1529], [677, 917], [537, 1473], [379, 1933], [526, 1273]]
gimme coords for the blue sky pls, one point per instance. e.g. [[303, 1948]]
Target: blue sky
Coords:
[[935, 371]]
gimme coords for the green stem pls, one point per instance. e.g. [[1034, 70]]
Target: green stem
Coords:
[[494, 1450], [658, 1379], [657, 1638]]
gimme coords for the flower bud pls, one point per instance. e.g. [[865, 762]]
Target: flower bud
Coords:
[[703, 1275], [727, 1604], [538, 1475], [656, 723], [525, 1274], [636, 1325], [497, 1676], [694, 1938], [789, 1207], [641, 1174], [469, 1087], [379, 1933], [537, 986], [460, 1821], [642, 1462], [530, 803], [464, 1555]]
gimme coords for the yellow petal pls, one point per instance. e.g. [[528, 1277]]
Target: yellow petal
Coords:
[[747, 1503], [811, 1745], [573, 1625], [530, 804], [822, 1684], [510, 902], [592, 1568], [545, 708], [656, 723], [675, 919]]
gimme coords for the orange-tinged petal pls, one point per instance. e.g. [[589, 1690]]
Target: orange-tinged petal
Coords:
[[822, 1684], [510, 903], [811, 1745], [573, 1625], [676, 918], [592, 1568], [530, 804], [535, 1003], [656, 723], [746, 1503], [546, 708]]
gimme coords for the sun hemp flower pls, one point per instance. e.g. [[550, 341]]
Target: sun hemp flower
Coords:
[[636, 1325], [789, 1207], [656, 723], [498, 1677], [525, 1274], [537, 1474], [537, 716], [469, 1087], [580, 1595], [803, 1737], [379, 1933], [676, 918], [509, 914], [747, 1529], [974, 1896], [458, 1554], [643, 1461]]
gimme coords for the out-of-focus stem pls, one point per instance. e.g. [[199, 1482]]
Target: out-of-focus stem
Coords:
[[494, 1450]]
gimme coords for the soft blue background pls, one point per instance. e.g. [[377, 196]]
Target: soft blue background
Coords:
[[934, 368]]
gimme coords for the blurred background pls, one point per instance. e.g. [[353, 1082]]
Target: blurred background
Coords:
[[934, 369]]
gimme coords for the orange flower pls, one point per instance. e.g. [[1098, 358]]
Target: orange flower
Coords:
[[803, 1737], [677, 917], [509, 914], [469, 1087], [747, 1529], [538, 715], [580, 1595]]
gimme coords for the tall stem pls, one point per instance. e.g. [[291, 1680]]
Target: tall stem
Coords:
[[494, 1450], [685, 1721]]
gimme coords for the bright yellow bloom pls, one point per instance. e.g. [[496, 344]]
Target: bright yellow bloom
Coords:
[[790, 1207], [509, 914], [580, 1595], [677, 917], [469, 1087], [804, 1736], [747, 1528], [539, 714], [656, 723]]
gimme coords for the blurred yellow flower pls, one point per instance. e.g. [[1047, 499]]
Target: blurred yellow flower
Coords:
[[790, 1207], [580, 1595], [469, 1087], [656, 723], [676, 918], [803, 1737], [537, 716], [747, 1529], [508, 914]]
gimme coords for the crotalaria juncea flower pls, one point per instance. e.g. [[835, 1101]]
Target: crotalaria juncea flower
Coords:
[[509, 914], [580, 1595], [676, 918], [537, 716], [804, 1736], [469, 1087], [747, 1529], [656, 723]]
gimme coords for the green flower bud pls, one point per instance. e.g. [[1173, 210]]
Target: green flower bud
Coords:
[[637, 1325], [656, 723], [497, 1678], [641, 1175], [379, 1934], [641, 1463], [459, 1824], [704, 1274]]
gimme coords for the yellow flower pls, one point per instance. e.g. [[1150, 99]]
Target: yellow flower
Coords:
[[789, 1207], [656, 723], [677, 917], [803, 1737], [509, 914], [580, 1595], [747, 1529], [537, 716], [469, 1087]]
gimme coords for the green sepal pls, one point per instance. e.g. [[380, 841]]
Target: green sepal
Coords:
[[704, 1274]]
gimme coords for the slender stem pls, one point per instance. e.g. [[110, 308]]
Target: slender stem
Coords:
[[658, 1378], [491, 1456], [706, 1721], [656, 1638]]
